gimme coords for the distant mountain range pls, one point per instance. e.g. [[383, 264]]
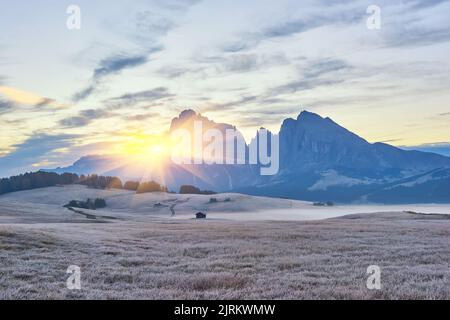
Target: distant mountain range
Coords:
[[319, 161]]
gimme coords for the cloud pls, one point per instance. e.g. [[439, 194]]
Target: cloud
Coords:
[[116, 64], [141, 117], [83, 94], [415, 28], [442, 148], [229, 105], [176, 5], [256, 120], [241, 63], [324, 67], [147, 29], [302, 85], [242, 101], [390, 141], [172, 72], [111, 66], [316, 74], [292, 27], [285, 28], [85, 117], [417, 36], [419, 23], [45, 102], [423, 4], [151, 25], [234, 63], [5, 106], [75, 122], [33, 150], [239, 45], [130, 99], [95, 113], [27, 98]]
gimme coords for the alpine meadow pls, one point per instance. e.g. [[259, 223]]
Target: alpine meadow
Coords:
[[216, 157]]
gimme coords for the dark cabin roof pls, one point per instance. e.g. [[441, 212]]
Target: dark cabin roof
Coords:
[[200, 215]]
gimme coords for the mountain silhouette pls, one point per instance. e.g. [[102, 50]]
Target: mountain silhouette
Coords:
[[319, 161], [322, 160]]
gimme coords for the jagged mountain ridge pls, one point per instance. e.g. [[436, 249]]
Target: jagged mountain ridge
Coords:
[[319, 160]]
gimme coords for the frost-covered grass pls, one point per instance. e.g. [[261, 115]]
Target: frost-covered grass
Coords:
[[134, 248], [166, 259]]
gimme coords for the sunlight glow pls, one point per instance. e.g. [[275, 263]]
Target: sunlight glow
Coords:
[[145, 148]]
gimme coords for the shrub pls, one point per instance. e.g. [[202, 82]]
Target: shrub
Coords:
[[73, 203], [319, 204], [324, 204], [131, 185], [150, 186], [187, 189], [88, 204], [100, 203], [208, 192], [114, 183]]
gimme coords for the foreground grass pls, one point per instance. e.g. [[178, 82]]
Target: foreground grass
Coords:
[[228, 260]]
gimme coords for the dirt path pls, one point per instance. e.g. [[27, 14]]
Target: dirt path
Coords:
[[91, 216], [172, 207]]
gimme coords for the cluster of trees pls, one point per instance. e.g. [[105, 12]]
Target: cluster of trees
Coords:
[[90, 204], [151, 186], [95, 181], [131, 185], [188, 189], [144, 187], [35, 180], [100, 182]]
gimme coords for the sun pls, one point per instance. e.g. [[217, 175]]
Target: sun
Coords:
[[145, 148], [157, 150]]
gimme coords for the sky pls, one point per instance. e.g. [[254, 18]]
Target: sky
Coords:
[[133, 66]]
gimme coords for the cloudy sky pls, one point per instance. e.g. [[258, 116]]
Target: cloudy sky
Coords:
[[134, 65]]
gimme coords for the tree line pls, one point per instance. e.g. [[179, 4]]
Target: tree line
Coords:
[[35, 180], [42, 179]]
